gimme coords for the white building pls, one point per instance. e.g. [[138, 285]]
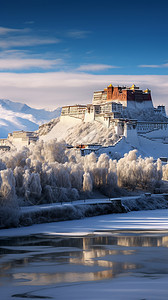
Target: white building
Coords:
[[20, 138], [108, 107]]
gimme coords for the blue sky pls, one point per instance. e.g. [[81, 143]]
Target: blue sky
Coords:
[[52, 40]]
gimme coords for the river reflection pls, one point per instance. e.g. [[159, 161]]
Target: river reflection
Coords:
[[45, 260]]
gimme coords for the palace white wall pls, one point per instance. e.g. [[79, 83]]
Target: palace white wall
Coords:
[[89, 117], [130, 134]]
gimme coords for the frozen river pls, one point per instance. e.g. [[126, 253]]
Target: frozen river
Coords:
[[118, 264]]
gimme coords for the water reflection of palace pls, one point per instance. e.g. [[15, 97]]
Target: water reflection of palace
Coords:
[[44, 260], [132, 240]]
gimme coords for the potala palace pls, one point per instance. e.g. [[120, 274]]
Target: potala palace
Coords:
[[118, 120], [129, 111]]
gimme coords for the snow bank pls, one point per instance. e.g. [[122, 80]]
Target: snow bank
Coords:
[[69, 212], [145, 202], [56, 213]]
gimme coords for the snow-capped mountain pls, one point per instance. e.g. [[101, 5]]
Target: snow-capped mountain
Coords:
[[19, 116]]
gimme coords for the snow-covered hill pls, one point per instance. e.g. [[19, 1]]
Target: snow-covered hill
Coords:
[[19, 116], [75, 131]]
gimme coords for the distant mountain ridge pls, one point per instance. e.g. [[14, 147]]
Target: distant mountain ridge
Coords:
[[19, 116]]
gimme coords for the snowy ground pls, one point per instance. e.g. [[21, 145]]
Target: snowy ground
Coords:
[[76, 202], [88, 208], [145, 147]]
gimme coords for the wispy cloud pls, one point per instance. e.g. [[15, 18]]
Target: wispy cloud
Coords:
[[26, 41], [25, 60], [14, 37], [6, 30], [53, 89], [154, 66], [20, 64], [148, 66], [95, 67], [78, 34]]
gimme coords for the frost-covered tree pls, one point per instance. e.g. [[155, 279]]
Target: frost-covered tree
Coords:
[[48, 172], [7, 189], [32, 185], [87, 182], [135, 172]]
